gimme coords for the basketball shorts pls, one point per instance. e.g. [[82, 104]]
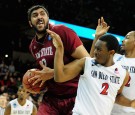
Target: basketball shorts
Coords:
[[56, 106]]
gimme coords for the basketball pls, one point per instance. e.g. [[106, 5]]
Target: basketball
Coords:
[[28, 85]]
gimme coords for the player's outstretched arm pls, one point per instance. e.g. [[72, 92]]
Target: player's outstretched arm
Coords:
[[63, 73], [101, 29], [121, 99]]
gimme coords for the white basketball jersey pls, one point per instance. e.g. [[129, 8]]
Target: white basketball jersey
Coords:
[[128, 91], [97, 88], [2, 110], [17, 109]]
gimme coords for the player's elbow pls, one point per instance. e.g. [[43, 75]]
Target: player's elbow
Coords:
[[59, 80], [59, 77]]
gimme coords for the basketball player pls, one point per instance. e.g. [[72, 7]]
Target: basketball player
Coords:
[[127, 61], [59, 98], [2, 110], [20, 105], [101, 81], [3, 102]]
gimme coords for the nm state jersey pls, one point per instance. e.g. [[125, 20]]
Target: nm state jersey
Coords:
[[45, 52], [128, 90], [17, 109], [97, 88]]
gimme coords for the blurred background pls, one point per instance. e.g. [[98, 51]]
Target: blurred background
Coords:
[[16, 33]]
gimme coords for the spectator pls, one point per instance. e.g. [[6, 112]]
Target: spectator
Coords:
[[18, 106]]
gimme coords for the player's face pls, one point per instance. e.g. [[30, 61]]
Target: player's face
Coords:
[[39, 20], [22, 94], [101, 52], [128, 43]]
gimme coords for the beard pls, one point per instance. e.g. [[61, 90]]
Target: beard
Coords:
[[41, 31], [122, 51]]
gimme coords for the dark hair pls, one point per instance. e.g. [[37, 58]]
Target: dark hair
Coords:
[[35, 7], [111, 42]]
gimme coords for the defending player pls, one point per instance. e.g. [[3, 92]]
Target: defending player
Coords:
[[102, 80]]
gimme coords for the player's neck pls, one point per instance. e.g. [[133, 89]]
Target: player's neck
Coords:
[[130, 54], [110, 62], [39, 36], [21, 102]]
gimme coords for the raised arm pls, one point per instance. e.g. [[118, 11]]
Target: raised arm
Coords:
[[63, 73], [101, 29]]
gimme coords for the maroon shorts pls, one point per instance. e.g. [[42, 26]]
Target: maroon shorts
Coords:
[[55, 106]]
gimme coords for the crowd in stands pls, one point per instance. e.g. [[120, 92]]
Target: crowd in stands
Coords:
[[11, 78]]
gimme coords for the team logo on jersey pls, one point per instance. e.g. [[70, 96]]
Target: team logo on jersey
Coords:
[[94, 62], [49, 38], [119, 58], [116, 71], [14, 105]]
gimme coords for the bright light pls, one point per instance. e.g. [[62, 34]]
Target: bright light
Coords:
[[6, 55], [84, 32]]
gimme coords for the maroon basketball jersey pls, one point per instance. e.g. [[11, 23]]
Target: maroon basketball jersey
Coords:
[[45, 52]]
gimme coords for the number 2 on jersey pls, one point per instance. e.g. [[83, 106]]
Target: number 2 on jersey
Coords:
[[128, 83], [105, 87]]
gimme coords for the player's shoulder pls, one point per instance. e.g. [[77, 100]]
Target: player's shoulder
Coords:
[[60, 28], [119, 67], [117, 57], [33, 40], [14, 100], [90, 60], [118, 63], [28, 101]]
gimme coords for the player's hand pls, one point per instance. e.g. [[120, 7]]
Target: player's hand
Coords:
[[133, 104], [30, 91], [102, 27], [42, 75], [56, 39]]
